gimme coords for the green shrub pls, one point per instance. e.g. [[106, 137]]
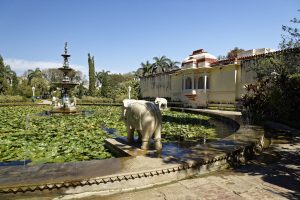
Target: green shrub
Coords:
[[12, 99], [276, 99], [120, 98]]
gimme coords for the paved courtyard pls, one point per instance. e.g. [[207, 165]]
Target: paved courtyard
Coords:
[[274, 175]]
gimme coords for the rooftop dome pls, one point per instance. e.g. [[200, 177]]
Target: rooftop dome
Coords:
[[199, 58]]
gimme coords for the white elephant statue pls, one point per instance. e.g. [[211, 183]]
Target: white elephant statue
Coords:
[[145, 118], [162, 103]]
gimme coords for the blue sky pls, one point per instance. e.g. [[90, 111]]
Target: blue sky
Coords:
[[123, 33]]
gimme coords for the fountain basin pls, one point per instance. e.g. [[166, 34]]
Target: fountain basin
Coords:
[[139, 170]]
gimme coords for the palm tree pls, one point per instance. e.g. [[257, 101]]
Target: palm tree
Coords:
[[102, 75], [138, 73], [37, 73], [171, 65], [146, 68], [160, 64]]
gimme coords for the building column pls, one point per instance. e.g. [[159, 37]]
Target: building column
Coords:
[[194, 64], [236, 83], [193, 86], [205, 83], [235, 76], [183, 78]]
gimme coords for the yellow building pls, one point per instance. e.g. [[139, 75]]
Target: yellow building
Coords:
[[204, 81]]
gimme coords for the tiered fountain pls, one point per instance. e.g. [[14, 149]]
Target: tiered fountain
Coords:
[[65, 107]]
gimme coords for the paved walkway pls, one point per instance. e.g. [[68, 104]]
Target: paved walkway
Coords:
[[274, 175], [45, 102]]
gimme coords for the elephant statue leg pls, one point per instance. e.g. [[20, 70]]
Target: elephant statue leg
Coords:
[[157, 139], [130, 133], [145, 141], [139, 136], [158, 145]]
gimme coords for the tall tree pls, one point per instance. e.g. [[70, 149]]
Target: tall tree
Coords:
[[234, 52], [278, 83], [37, 73], [103, 78], [146, 68], [171, 65], [160, 64], [293, 38], [52, 74], [92, 78], [8, 78]]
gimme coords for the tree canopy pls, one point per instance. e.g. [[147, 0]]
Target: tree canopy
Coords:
[[234, 52], [160, 65], [292, 38], [276, 94], [8, 79]]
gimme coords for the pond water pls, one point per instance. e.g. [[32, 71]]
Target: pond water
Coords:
[[46, 139]]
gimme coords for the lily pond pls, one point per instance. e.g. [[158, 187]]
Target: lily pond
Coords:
[[27, 135]]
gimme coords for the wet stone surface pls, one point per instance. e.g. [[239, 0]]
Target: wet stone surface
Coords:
[[275, 174]]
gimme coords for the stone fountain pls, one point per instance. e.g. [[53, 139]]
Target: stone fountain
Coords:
[[65, 106]]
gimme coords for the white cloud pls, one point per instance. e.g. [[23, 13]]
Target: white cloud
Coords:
[[20, 65]]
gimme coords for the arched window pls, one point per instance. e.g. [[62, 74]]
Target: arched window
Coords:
[[201, 82], [188, 83]]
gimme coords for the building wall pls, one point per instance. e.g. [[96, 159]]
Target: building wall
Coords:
[[225, 84], [247, 76], [176, 87], [156, 86], [226, 80], [222, 84]]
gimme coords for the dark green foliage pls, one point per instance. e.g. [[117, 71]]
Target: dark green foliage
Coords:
[[8, 79], [37, 73], [92, 78], [80, 91], [104, 79], [285, 63], [276, 94], [15, 84], [115, 86], [274, 99]]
